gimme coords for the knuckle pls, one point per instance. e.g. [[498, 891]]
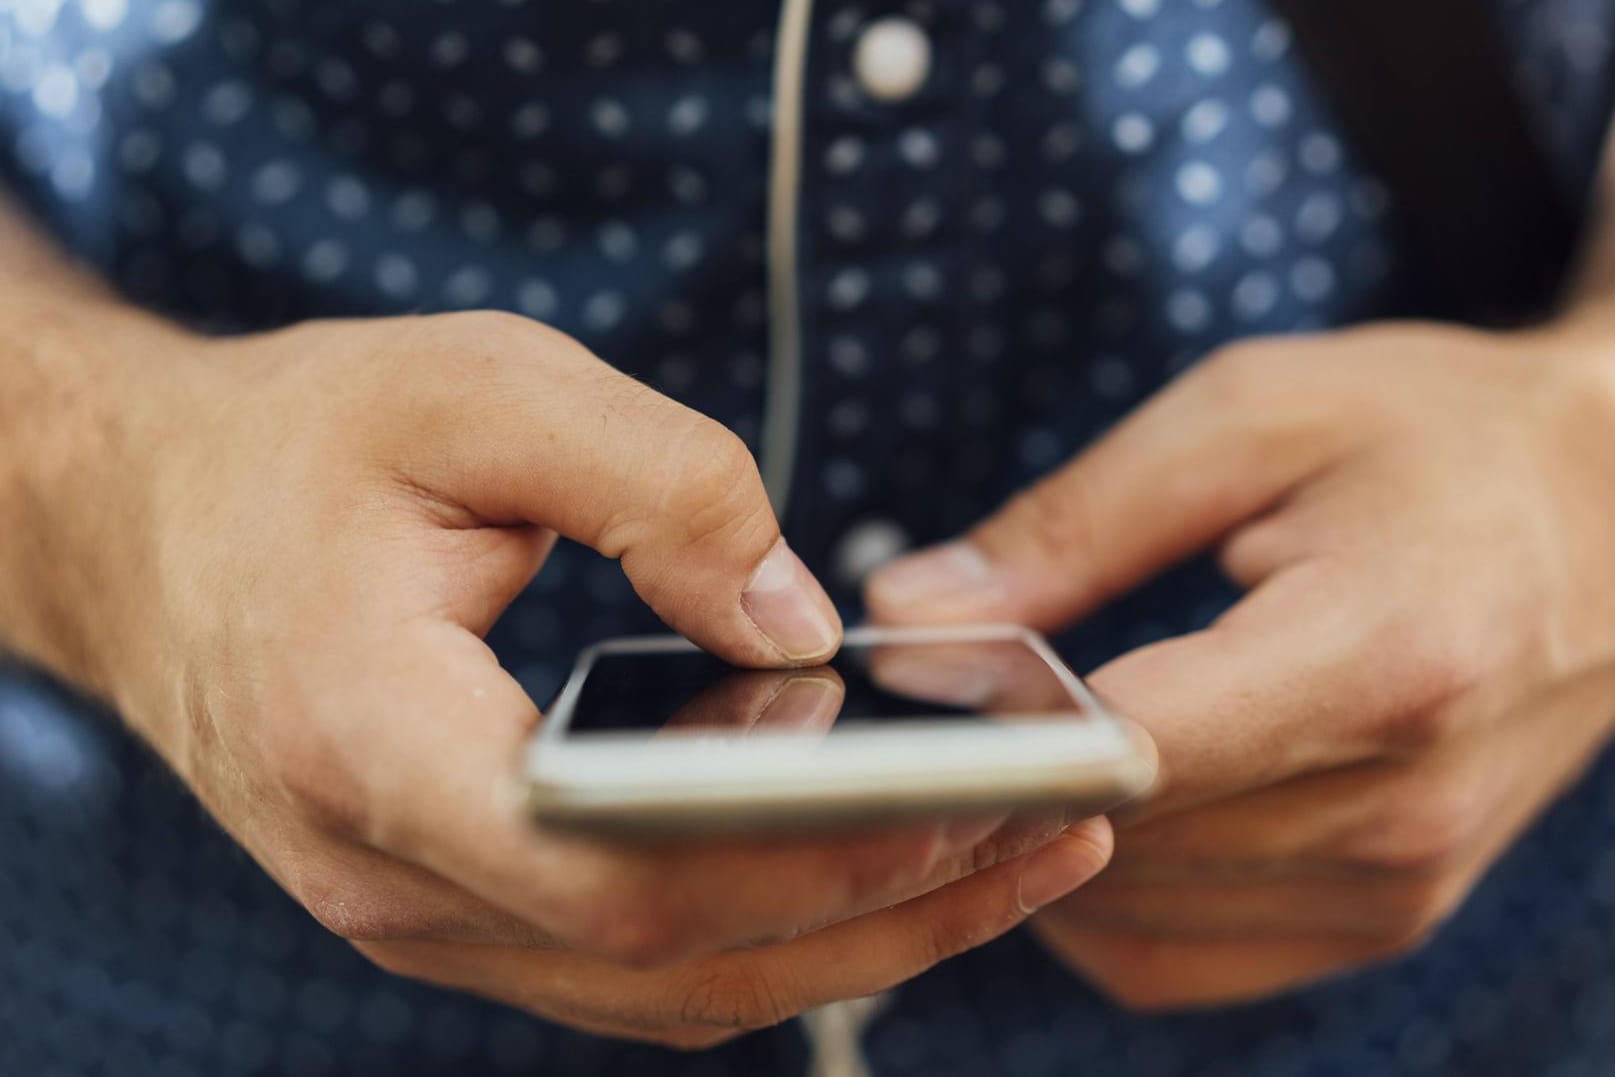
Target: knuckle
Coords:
[[351, 911], [716, 492], [434, 382], [713, 466], [1422, 832], [479, 356], [1427, 675], [1411, 729], [739, 998], [496, 329]]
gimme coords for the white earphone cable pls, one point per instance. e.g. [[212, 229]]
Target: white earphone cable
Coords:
[[833, 1032], [782, 400]]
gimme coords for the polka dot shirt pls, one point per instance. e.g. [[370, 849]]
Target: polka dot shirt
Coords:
[[1018, 219]]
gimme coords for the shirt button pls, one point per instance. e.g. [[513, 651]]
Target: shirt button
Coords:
[[892, 58], [865, 547]]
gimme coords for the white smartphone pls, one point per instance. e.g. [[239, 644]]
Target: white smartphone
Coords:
[[650, 736]]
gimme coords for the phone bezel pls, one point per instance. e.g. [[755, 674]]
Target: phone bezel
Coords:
[[645, 782]]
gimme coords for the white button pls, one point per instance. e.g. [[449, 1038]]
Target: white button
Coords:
[[892, 58], [865, 547]]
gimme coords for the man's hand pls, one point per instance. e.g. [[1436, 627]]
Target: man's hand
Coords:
[[277, 556], [1425, 520]]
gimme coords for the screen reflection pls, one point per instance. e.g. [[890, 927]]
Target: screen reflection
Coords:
[[690, 691]]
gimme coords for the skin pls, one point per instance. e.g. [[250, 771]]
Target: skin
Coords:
[[276, 556], [1424, 519], [203, 531]]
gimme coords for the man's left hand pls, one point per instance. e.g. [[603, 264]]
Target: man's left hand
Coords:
[[1424, 518]]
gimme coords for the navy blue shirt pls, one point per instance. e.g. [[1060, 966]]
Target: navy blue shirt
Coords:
[[1080, 198]]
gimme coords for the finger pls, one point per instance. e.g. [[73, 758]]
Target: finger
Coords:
[[1001, 676], [1149, 973], [1360, 509], [1215, 448], [1310, 672], [548, 434], [1328, 826], [754, 988], [892, 945], [487, 567], [362, 895], [1378, 850], [1367, 907], [1286, 535], [800, 700], [1383, 818], [1384, 901]]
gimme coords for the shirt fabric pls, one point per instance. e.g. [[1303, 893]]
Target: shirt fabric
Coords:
[[1083, 197]]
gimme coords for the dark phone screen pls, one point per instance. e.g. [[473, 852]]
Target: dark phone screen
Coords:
[[691, 690]]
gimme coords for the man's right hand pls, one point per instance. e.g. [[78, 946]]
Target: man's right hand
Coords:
[[277, 556]]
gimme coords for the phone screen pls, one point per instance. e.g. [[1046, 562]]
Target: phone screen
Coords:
[[963, 681]]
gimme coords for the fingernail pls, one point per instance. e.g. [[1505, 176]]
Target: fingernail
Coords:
[[1064, 864], [786, 605], [955, 572], [803, 703], [954, 680]]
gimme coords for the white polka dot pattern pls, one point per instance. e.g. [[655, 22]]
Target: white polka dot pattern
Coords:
[[1002, 252]]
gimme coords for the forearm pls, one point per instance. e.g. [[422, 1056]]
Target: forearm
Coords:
[[1584, 328], [67, 348]]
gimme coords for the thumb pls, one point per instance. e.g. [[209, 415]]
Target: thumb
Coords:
[[1218, 446], [554, 436]]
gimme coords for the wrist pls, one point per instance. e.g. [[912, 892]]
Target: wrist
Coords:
[[1574, 356], [77, 381]]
